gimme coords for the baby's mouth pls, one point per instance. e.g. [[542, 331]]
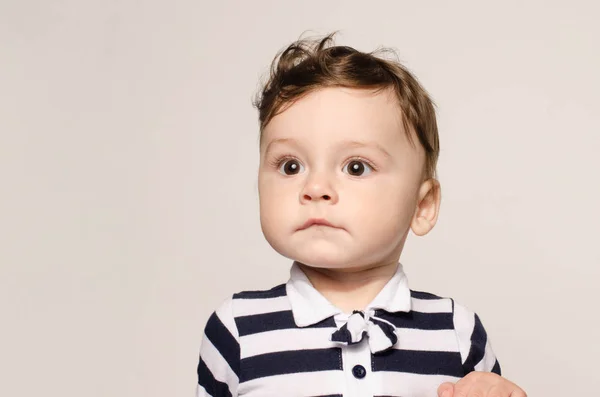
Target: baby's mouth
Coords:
[[317, 222]]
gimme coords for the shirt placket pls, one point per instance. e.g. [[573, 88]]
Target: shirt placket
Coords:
[[356, 362]]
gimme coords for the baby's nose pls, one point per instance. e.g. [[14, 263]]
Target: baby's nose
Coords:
[[318, 188]]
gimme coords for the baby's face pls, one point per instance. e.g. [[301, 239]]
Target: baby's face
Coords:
[[339, 156]]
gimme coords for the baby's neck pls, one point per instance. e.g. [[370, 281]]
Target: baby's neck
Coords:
[[350, 289]]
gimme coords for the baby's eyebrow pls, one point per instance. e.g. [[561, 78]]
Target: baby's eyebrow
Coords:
[[373, 145], [343, 145], [290, 141]]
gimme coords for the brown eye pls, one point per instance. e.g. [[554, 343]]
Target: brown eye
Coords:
[[291, 167], [357, 168]]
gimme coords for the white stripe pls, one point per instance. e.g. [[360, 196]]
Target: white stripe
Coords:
[[431, 305], [298, 384], [248, 307], [201, 392], [225, 314], [489, 359], [427, 340], [464, 323], [318, 338], [405, 384], [286, 340], [217, 365]]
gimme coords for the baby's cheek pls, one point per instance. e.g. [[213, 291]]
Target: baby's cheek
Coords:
[[271, 230], [276, 216], [385, 214]]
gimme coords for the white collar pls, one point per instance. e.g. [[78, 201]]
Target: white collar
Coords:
[[310, 307]]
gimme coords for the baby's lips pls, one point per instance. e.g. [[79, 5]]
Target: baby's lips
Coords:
[[316, 221]]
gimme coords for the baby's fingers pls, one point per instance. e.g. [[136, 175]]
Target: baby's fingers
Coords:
[[506, 390], [446, 390]]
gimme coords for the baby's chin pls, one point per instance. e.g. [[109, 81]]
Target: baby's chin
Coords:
[[324, 259], [337, 252]]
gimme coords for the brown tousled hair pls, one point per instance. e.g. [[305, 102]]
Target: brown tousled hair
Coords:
[[309, 64]]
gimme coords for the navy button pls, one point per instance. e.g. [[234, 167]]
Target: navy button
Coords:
[[359, 371]]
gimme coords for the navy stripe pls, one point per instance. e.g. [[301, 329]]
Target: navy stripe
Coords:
[[256, 323], [209, 383], [419, 362], [424, 295], [497, 370], [418, 320], [343, 335], [290, 362], [224, 342], [477, 350], [274, 292]]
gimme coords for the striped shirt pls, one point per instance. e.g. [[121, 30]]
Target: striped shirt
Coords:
[[278, 343]]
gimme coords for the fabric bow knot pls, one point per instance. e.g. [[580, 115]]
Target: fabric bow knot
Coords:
[[381, 333]]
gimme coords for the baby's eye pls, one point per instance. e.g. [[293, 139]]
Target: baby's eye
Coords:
[[357, 168], [291, 167]]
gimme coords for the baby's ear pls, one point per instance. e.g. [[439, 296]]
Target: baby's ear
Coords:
[[428, 207]]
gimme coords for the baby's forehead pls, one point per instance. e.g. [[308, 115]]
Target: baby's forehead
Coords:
[[339, 114]]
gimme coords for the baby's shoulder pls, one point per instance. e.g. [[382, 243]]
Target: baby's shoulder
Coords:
[[460, 316], [425, 295], [427, 302], [247, 305], [432, 303]]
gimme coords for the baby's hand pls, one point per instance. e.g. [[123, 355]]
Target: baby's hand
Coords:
[[481, 384]]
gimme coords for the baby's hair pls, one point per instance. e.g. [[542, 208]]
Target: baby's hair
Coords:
[[309, 64]]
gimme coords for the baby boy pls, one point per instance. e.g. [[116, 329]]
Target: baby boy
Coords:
[[348, 153]]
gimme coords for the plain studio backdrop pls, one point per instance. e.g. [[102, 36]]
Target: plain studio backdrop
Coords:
[[128, 198]]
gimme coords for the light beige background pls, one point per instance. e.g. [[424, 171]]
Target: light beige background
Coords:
[[128, 157]]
